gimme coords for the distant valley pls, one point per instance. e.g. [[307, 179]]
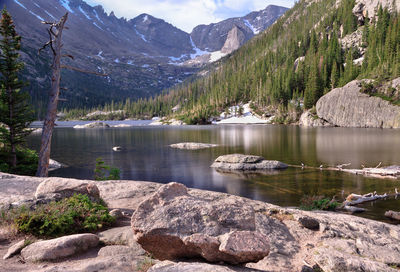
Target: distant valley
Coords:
[[141, 56]]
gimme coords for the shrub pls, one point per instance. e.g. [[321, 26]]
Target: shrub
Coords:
[[105, 172], [309, 203], [76, 214]]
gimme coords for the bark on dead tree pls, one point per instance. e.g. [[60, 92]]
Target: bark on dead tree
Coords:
[[55, 43], [55, 33]]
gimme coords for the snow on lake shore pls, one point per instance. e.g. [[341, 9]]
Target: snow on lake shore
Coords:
[[247, 117]]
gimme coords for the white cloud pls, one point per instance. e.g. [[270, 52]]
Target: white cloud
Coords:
[[186, 14]]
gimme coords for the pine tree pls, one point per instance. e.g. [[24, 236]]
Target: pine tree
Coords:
[[314, 88], [15, 112], [334, 76]]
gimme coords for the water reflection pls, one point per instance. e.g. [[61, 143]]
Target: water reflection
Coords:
[[146, 155]]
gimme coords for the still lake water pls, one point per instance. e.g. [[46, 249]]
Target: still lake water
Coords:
[[147, 156]]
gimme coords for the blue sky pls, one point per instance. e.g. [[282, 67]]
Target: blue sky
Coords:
[[186, 14]]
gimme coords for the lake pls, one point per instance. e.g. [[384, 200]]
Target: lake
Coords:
[[146, 156]]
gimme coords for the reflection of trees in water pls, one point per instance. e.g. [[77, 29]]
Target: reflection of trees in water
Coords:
[[146, 155], [358, 146]]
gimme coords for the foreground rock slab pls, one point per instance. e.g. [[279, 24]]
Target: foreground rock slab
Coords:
[[246, 163], [168, 266], [192, 146], [64, 188], [54, 249], [15, 249], [342, 242], [173, 224]]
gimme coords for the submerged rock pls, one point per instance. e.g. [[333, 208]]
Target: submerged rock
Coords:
[[246, 163], [59, 248], [93, 125], [192, 146], [122, 126], [173, 224]]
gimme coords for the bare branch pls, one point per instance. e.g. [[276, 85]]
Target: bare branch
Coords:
[[68, 56], [48, 23], [82, 71]]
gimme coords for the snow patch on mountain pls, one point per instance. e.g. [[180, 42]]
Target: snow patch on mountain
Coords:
[[145, 18], [198, 51], [48, 13], [99, 55], [141, 35], [97, 16], [84, 13], [216, 56], [37, 16], [98, 26], [247, 23], [17, 2], [65, 4]]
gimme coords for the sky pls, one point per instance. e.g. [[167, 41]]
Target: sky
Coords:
[[186, 14]]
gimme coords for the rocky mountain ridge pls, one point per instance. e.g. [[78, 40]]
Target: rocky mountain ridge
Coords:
[[141, 56]]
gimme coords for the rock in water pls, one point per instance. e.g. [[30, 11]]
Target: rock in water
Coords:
[[246, 163], [192, 146], [173, 224], [59, 248], [348, 107], [393, 215], [93, 125]]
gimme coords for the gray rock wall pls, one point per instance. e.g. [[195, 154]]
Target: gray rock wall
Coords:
[[348, 107]]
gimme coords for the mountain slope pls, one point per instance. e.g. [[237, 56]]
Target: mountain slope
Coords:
[[286, 69], [141, 56]]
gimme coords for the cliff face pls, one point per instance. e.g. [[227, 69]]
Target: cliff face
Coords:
[[213, 36], [348, 107], [235, 39]]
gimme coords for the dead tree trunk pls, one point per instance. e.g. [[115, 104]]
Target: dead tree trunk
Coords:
[[55, 43]]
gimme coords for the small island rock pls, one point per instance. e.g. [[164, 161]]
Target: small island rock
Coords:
[[246, 163], [192, 146], [93, 125]]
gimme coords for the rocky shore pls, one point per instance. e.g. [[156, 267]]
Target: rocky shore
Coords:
[[195, 230]]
